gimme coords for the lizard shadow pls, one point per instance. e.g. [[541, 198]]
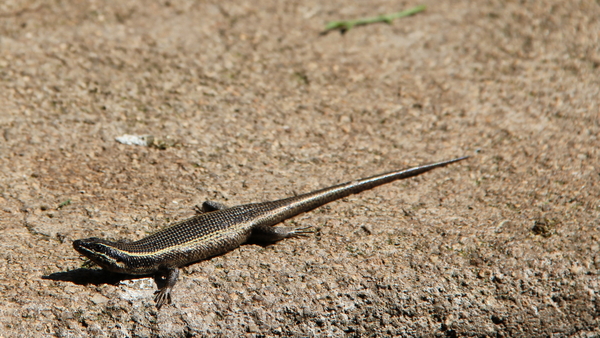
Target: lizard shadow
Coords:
[[96, 277]]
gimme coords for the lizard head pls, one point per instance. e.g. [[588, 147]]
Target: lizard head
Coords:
[[104, 253]]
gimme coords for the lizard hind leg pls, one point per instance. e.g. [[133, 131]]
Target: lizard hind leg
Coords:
[[276, 233]]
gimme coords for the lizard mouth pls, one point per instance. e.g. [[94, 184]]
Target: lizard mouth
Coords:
[[98, 252], [81, 247]]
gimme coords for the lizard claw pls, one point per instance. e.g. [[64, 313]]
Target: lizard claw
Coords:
[[302, 232], [163, 296]]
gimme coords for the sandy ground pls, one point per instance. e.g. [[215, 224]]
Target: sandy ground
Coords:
[[251, 103]]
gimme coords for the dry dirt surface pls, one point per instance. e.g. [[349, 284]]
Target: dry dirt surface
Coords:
[[248, 102]]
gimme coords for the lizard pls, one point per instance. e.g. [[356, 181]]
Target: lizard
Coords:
[[217, 229]]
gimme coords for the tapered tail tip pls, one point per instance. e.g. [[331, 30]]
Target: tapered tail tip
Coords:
[[444, 163]]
